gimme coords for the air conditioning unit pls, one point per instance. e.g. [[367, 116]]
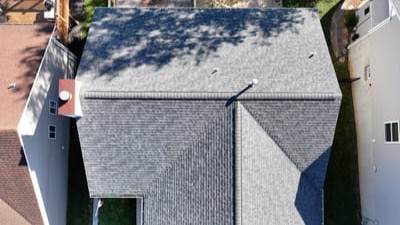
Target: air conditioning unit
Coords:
[[49, 9]]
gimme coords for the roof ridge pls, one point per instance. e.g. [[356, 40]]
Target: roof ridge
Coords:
[[89, 94]]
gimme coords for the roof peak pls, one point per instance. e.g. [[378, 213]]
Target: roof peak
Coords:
[[210, 95]]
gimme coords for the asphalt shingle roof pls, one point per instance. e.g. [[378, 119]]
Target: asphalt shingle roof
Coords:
[[168, 114], [397, 4], [148, 136], [198, 188], [297, 126], [207, 50]]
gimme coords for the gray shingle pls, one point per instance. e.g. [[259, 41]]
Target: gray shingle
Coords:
[[273, 190], [177, 50], [302, 129], [198, 187], [127, 144], [269, 179], [158, 121]]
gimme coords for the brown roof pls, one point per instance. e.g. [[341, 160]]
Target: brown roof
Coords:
[[22, 48], [9, 216], [353, 4], [16, 187]]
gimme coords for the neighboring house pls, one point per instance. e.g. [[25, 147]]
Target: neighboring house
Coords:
[[208, 116], [44, 134], [34, 139], [23, 12], [22, 48], [374, 60], [369, 12]]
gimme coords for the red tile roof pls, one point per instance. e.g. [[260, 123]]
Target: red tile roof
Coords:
[[22, 48]]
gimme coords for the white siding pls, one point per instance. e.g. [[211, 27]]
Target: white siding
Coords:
[[364, 23], [385, 66], [375, 105], [379, 10], [48, 158]]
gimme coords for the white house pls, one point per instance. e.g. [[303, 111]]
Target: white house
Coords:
[[369, 12], [374, 59], [44, 134]]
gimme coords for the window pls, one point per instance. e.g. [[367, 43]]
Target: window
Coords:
[[392, 132], [366, 11], [52, 132], [53, 107]]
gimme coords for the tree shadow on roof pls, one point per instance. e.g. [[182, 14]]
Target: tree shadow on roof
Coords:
[[134, 37], [31, 58]]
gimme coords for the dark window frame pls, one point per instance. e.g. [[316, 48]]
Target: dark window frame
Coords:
[[53, 107], [52, 132], [392, 132], [366, 11]]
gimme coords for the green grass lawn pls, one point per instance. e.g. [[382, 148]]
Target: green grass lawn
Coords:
[[323, 6], [120, 211], [342, 198], [90, 5], [113, 211]]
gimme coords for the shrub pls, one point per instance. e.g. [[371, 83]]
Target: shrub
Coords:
[[351, 20]]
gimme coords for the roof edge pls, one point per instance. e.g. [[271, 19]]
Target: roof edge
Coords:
[[211, 95]]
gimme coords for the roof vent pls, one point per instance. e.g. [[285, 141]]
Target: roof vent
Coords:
[[253, 82], [215, 70], [64, 95], [12, 86], [312, 54]]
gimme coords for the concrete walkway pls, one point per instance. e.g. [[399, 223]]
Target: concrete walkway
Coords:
[[339, 35], [95, 215]]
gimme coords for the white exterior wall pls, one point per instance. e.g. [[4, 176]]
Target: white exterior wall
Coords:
[[385, 67], [375, 105], [364, 23], [379, 10], [48, 158], [362, 101]]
